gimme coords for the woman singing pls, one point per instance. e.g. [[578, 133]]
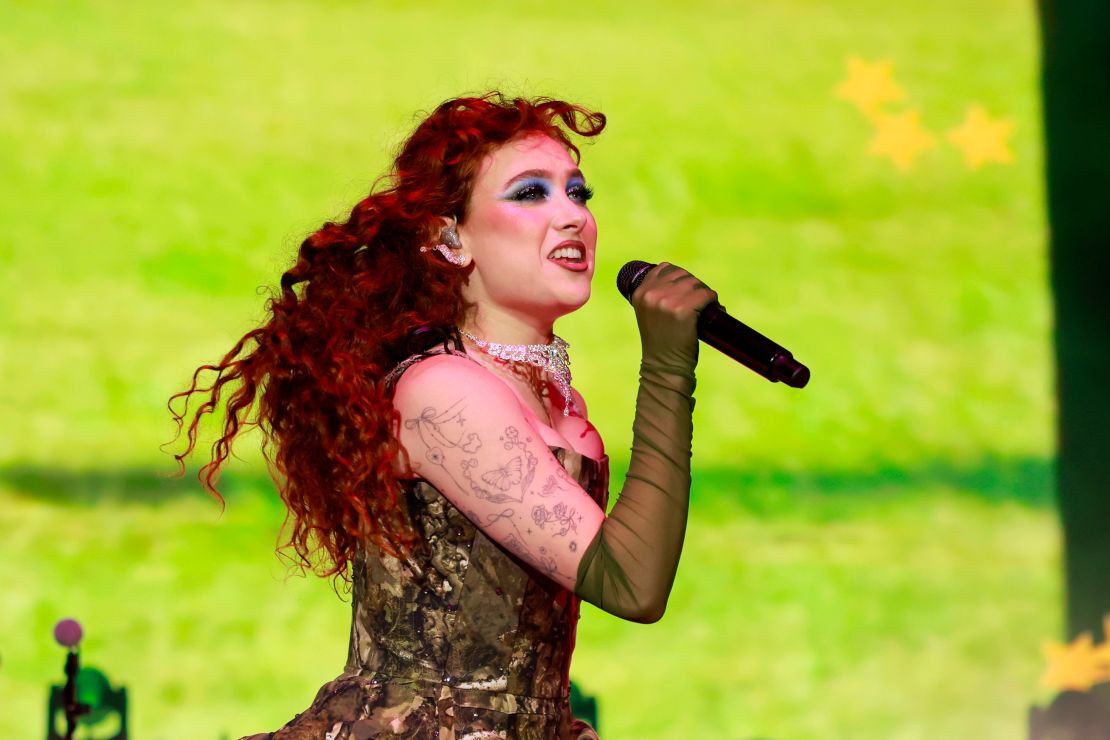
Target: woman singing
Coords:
[[418, 414]]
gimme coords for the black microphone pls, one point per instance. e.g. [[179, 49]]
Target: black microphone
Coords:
[[722, 332]]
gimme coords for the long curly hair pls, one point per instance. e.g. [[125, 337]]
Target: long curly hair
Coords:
[[356, 302]]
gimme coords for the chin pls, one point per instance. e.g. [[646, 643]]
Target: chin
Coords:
[[579, 299], [577, 293]]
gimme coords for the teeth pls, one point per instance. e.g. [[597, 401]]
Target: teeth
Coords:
[[570, 252]]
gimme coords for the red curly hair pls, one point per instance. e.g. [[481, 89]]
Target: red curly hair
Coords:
[[361, 292]]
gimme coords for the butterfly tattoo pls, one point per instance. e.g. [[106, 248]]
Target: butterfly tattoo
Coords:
[[506, 476]]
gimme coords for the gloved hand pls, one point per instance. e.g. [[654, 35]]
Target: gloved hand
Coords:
[[629, 567]]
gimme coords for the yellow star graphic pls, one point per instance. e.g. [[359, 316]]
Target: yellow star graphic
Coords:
[[901, 137], [1076, 666], [868, 86], [1102, 652], [982, 139]]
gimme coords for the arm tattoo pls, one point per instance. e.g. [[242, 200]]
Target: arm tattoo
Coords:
[[507, 483], [444, 429], [553, 484], [499, 481], [560, 515], [512, 439], [517, 547]]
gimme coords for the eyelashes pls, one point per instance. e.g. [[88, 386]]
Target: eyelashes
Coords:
[[536, 190], [529, 191], [582, 192]]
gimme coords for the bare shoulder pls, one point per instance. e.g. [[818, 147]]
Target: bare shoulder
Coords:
[[443, 375]]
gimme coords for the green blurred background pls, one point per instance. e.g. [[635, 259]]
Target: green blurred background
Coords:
[[875, 556]]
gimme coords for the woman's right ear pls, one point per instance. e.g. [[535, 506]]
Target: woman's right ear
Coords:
[[449, 244]]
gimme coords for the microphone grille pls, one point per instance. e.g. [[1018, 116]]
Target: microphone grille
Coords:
[[631, 275]]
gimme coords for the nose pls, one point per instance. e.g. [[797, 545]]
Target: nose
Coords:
[[571, 216]]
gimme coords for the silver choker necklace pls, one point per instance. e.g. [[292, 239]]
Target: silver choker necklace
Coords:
[[551, 358]]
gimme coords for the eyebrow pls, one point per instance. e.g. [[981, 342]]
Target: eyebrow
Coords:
[[544, 174]]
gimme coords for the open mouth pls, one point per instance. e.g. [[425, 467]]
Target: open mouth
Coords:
[[571, 255]]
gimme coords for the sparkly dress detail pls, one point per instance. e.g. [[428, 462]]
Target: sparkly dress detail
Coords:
[[459, 640]]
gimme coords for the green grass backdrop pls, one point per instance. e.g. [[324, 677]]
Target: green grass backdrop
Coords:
[[872, 557]]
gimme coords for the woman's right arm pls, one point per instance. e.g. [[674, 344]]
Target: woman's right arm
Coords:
[[466, 434]]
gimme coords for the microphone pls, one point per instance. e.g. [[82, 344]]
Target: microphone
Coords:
[[735, 339]]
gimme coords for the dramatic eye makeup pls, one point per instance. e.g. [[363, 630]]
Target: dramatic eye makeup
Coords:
[[535, 186], [579, 190], [532, 188]]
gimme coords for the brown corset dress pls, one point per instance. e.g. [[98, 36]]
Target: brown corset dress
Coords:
[[459, 640]]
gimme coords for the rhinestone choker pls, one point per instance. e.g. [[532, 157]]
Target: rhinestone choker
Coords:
[[551, 358]]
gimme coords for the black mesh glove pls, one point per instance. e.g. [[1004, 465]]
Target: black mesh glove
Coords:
[[629, 567]]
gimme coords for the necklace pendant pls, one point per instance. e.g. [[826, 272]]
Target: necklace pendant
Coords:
[[552, 358]]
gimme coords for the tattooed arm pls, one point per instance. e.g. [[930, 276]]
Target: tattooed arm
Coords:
[[466, 434]]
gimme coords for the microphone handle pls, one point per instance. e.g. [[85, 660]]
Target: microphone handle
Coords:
[[750, 348]]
